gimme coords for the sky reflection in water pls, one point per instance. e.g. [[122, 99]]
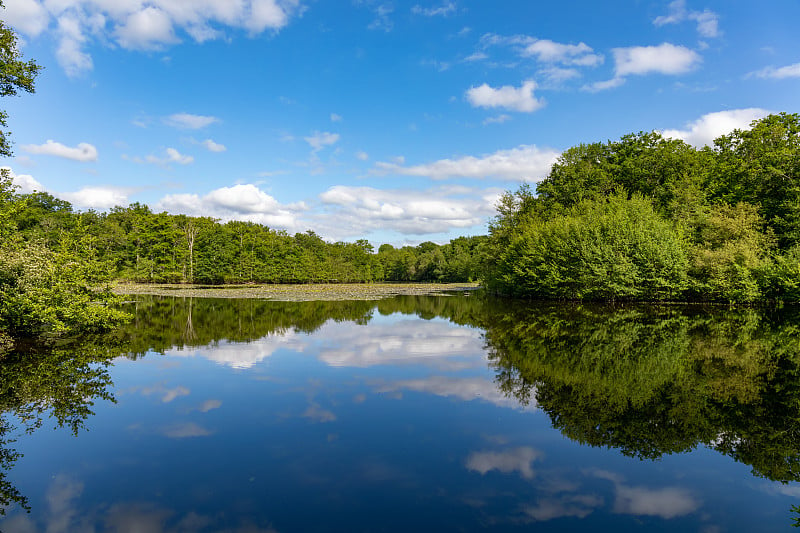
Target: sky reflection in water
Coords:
[[395, 419]]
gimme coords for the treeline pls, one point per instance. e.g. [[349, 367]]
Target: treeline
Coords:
[[650, 218], [136, 244]]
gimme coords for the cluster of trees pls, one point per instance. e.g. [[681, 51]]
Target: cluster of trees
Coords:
[[48, 290], [139, 245], [650, 218]]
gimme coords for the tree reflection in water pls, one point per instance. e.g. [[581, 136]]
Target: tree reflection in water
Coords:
[[653, 380], [60, 383], [647, 380]]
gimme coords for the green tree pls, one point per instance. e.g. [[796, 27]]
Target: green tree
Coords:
[[608, 248], [668, 171], [761, 166], [731, 253]]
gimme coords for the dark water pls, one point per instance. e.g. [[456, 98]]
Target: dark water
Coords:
[[456, 413]]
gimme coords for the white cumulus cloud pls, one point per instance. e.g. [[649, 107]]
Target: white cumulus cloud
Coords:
[[71, 40], [549, 51], [604, 85], [665, 58], [523, 163], [704, 130], [148, 29], [138, 25], [240, 202], [98, 197], [544, 50], [354, 211], [26, 16], [83, 152], [507, 97]]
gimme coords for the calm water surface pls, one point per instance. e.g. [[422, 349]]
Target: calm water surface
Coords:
[[449, 413]]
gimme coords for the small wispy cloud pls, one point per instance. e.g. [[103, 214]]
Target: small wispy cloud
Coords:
[[499, 119], [212, 146], [171, 155], [707, 21], [777, 73], [188, 121], [320, 139], [444, 10]]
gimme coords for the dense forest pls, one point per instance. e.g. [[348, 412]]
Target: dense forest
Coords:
[[135, 244], [652, 218]]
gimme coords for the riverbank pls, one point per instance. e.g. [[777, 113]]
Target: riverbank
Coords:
[[293, 293]]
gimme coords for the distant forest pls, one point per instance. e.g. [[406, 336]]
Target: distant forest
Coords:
[[134, 244]]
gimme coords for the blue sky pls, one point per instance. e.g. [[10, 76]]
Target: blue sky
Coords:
[[397, 122]]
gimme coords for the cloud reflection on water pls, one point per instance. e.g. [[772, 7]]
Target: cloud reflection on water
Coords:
[[244, 355], [462, 388], [431, 343]]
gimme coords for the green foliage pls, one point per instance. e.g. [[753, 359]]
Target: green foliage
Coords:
[[781, 277], [730, 253], [668, 171], [727, 217], [48, 291], [761, 166], [611, 248]]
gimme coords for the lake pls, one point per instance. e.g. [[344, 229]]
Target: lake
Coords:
[[459, 412]]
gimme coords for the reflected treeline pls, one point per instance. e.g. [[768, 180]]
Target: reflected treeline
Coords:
[[55, 383], [652, 381], [647, 380], [161, 322]]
